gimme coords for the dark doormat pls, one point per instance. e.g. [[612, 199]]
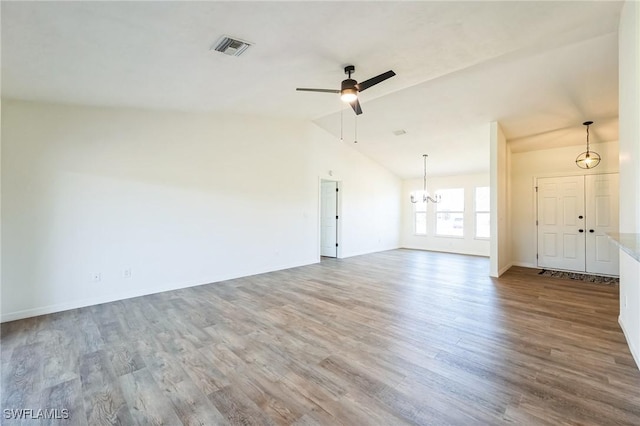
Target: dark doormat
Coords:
[[580, 277]]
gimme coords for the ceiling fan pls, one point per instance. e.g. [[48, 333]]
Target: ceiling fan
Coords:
[[350, 88]]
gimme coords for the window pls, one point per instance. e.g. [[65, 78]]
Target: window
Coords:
[[483, 215], [450, 216], [420, 214]]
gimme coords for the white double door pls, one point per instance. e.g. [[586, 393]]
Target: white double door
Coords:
[[574, 215]]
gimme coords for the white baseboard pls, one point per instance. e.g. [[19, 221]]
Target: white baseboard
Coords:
[[632, 349], [452, 251], [363, 252], [82, 303], [525, 265], [505, 269]]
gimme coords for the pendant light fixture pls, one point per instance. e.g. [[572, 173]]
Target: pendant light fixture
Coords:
[[425, 196], [588, 159]]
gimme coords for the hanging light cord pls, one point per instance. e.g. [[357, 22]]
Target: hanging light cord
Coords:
[[426, 197], [424, 186], [341, 122], [588, 139]]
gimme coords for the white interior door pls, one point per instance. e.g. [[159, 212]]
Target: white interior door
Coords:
[[561, 223], [329, 219], [602, 217]]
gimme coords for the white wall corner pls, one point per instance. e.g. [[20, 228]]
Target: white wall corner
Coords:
[[630, 341], [629, 129], [499, 183]]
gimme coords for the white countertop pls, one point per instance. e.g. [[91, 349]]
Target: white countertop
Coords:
[[629, 243]]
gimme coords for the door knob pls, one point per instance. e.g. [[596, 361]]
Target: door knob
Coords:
[[591, 230], [580, 230]]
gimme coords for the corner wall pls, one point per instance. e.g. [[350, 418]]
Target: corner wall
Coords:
[[177, 199], [500, 170], [629, 57]]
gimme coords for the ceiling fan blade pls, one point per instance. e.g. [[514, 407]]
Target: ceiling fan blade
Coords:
[[304, 89], [356, 107], [375, 80]]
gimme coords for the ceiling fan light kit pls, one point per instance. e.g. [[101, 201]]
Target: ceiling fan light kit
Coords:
[[588, 159], [349, 94], [350, 88]]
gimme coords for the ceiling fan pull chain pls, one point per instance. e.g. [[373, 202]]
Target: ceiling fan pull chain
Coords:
[[424, 189], [341, 122], [355, 137]]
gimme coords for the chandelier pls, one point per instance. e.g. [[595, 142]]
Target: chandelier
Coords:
[[425, 196]]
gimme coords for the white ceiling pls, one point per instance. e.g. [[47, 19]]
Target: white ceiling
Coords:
[[539, 68]]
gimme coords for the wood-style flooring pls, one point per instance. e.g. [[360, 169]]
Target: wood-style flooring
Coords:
[[391, 338]]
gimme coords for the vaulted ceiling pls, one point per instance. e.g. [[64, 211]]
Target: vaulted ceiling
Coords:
[[539, 68]]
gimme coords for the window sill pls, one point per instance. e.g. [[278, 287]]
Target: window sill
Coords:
[[456, 237]]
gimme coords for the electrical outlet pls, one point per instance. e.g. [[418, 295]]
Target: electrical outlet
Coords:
[[96, 277], [126, 273]]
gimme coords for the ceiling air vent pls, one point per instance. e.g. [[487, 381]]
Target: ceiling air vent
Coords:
[[230, 46]]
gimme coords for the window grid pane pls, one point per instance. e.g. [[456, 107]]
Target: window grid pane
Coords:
[[452, 200], [450, 216], [482, 209], [419, 206], [421, 223], [450, 223], [483, 225], [483, 200]]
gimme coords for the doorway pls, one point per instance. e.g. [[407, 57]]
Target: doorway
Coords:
[[574, 215], [329, 217]]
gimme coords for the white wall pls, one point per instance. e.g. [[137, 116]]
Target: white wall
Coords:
[[179, 198], [500, 159], [525, 167], [370, 195], [629, 72], [0, 207], [467, 245]]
